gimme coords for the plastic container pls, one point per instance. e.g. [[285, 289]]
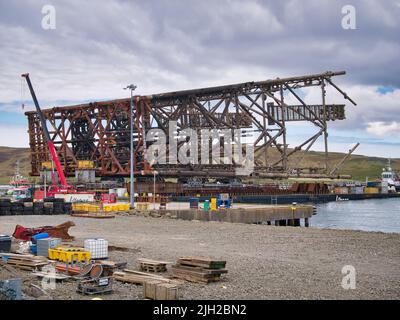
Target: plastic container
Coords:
[[97, 247], [39, 236], [72, 254], [43, 246], [5, 243]]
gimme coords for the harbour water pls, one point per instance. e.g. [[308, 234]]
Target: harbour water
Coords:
[[368, 215]]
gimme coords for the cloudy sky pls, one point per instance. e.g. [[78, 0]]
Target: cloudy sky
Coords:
[[98, 47]]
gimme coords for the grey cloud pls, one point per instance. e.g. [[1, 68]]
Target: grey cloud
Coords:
[[99, 46]]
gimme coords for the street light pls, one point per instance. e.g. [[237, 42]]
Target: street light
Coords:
[[131, 87], [154, 187]]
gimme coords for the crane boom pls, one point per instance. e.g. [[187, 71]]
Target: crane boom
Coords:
[[49, 142]]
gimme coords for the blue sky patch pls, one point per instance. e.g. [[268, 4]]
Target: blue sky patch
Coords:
[[384, 90]]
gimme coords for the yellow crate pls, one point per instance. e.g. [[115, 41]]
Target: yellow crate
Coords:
[[71, 254], [85, 164], [122, 207], [46, 165]]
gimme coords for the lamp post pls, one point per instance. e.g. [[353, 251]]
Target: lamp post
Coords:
[[131, 87], [154, 188]]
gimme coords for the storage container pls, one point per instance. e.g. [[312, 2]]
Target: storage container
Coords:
[[98, 248], [43, 246], [5, 243], [72, 254]]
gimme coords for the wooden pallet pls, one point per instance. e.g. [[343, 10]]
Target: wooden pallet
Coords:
[[150, 268], [24, 262], [199, 269], [202, 262], [194, 277], [149, 265]]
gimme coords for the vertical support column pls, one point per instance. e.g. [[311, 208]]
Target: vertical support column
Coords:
[[323, 91], [306, 222], [263, 98], [283, 106]]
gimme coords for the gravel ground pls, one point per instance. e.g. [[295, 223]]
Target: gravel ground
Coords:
[[264, 262]]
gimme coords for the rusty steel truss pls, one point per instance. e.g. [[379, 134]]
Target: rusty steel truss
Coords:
[[100, 131]]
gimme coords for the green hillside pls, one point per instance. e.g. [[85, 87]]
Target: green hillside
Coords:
[[8, 160]]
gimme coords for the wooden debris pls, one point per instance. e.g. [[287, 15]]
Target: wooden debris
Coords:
[[24, 261], [201, 270], [149, 265], [112, 264], [137, 277], [157, 290], [202, 262]]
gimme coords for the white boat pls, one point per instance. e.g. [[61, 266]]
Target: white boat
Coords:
[[390, 177]]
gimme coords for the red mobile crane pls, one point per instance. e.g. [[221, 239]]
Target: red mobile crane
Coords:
[[63, 187]]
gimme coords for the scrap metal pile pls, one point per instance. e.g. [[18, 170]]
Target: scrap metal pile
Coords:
[[100, 131]]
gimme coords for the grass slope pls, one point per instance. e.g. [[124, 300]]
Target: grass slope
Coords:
[[8, 159]]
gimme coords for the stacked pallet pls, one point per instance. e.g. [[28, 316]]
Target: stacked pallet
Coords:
[[198, 269], [149, 265], [24, 262]]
